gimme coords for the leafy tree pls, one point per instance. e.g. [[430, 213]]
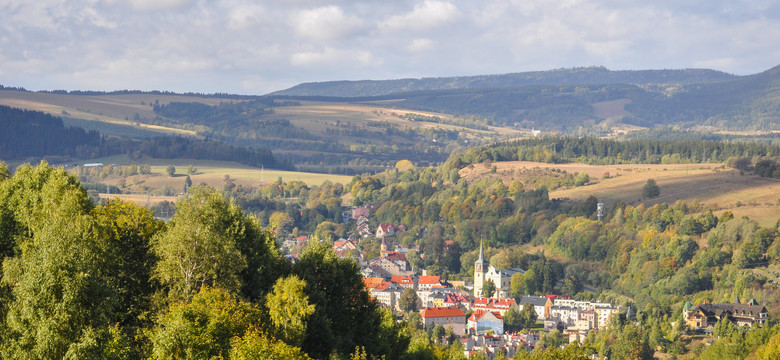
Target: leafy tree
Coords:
[[289, 309], [630, 344], [256, 345], [651, 189], [552, 339], [199, 246], [528, 315], [581, 179], [170, 170], [517, 285], [187, 184], [191, 169], [203, 328], [723, 328], [345, 315], [408, 300], [488, 288]]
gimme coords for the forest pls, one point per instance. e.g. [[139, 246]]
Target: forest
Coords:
[[28, 134]]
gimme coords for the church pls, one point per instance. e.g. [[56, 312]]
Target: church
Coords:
[[483, 272]]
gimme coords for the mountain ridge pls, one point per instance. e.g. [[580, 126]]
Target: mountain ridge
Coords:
[[566, 76]]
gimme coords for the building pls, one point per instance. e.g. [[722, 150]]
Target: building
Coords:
[[706, 315], [457, 299], [493, 304], [404, 281], [483, 272], [452, 317], [479, 272], [604, 314], [385, 229], [425, 283], [538, 303], [566, 314], [358, 212], [482, 321]]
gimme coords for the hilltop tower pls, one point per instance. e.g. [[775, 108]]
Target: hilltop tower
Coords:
[[479, 272]]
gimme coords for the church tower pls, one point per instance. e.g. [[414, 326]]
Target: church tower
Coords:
[[383, 247], [479, 272]]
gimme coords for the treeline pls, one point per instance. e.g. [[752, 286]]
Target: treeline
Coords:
[[605, 151], [25, 134]]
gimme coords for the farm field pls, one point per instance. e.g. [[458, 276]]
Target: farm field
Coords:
[[146, 188], [710, 184]]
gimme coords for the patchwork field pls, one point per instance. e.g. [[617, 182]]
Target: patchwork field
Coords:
[[710, 184]]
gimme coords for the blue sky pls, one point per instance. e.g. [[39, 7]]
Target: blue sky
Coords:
[[255, 47]]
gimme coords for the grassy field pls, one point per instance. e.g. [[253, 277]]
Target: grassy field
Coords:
[[138, 187], [710, 184], [117, 110]]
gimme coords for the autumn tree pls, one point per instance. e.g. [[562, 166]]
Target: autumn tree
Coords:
[[289, 309], [651, 189], [408, 301]]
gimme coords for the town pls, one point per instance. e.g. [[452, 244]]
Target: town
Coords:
[[484, 314]]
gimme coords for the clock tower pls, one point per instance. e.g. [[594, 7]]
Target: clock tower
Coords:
[[479, 272]]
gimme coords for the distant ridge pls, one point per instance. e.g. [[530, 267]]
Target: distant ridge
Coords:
[[593, 75]]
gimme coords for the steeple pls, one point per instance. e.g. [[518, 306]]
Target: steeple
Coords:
[[481, 253]]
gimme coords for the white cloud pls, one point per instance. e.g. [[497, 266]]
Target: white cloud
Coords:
[[426, 15], [159, 5], [330, 56], [325, 23], [420, 44]]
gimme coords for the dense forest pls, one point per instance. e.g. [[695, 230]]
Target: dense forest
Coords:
[[33, 134]]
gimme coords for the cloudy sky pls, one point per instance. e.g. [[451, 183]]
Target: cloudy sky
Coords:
[[255, 47]]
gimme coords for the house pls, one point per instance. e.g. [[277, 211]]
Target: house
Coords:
[[457, 299], [358, 212], [483, 272], [493, 304], [604, 314], [705, 315], [538, 303], [392, 264], [404, 281], [566, 314], [452, 317], [428, 282], [385, 229], [481, 321]]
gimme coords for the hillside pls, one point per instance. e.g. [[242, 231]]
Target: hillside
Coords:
[[584, 75]]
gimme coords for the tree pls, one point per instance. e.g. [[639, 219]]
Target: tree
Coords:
[[289, 309], [345, 315], [651, 189], [204, 327], [408, 300], [170, 170], [512, 320], [581, 179], [528, 315], [191, 169], [280, 221], [256, 345], [517, 285], [489, 288], [187, 184], [723, 328], [199, 246]]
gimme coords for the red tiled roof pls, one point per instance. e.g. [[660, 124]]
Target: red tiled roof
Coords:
[[395, 255], [494, 303], [402, 279], [337, 244], [553, 297], [433, 312], [455, 298], [375, 283], [429, 280]]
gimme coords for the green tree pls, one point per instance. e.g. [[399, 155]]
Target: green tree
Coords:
[[517, 285], [170, 170], [204, 327], [289, 309], [345, 315], [191, 169], [199, 246], [651, 189], [581, 179], [488, 288], [256, 345], [528, 315], [723, 328], [187, 184], [408, 300]]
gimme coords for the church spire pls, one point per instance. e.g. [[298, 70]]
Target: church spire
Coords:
[[481, 253]]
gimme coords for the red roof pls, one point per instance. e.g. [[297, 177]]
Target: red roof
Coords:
[[553, 297], [402, 279], [455, 298], [491, 303], [429, 280], [395, 255], [339, 243], [386, 226], [478, 314], [434, 312]]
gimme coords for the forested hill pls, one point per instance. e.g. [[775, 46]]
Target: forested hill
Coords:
[[584, 75], [28, 134]]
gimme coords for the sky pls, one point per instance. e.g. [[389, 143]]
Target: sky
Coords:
[[256, 47]]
